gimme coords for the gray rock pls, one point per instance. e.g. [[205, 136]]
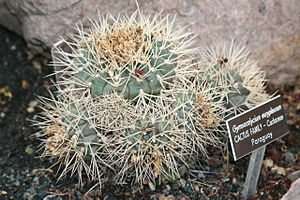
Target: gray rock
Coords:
[[294, 175], [269, 28], [294, 191], [29, 150], [290, 157]]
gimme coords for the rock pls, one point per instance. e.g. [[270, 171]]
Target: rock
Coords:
[[161, 197], [182, 182], [224, 180], [269, 28], [151, 186], [214, 162], [294, 191], [197, 188], [233, 180], [182, 170], [29, 150], [294, 175], [289, 157], [8, 20], [268, 163], [168, 187], [278, 170], [3, 192]]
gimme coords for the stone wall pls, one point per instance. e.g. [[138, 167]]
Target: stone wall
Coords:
[[270, 28]]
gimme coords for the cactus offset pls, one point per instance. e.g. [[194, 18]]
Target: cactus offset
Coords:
[[239, 80]]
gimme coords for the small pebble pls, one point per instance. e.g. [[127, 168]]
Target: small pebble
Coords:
[[224, 180], [3, 192], [170, 197], [268, 163], [33, 103], [278, 170], [2, 115], [289, 157], [37, 66], [13, 47], [197, 188], [29, 150], [161, 197], [154, 197], [294, 175], [182, 182], [151, 186], [183, 198], [168, 187], [233, 180], [17, 183], [25, 84], [30, 109]]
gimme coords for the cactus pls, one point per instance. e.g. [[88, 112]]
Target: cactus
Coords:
[[138, 55], [124, 102], [168, 136], [132, 101], [72, 137], [228, 68]]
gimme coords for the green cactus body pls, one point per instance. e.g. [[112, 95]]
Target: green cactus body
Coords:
[[146, 131], [230, 83], [237, 94], [80, 128], [130, 78]]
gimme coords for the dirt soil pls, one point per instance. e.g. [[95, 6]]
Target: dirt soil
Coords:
[[23, 175]]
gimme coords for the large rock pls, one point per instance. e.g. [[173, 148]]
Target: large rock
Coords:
[[271, 28], [294, 191]]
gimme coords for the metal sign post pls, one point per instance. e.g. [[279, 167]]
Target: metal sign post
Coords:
[[253, 172]]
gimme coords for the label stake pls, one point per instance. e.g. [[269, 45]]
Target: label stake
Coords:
[[253, 172]]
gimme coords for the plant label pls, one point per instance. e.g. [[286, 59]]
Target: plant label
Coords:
[[257, 127]]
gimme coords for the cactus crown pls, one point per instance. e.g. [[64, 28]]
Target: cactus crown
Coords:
[[129, 56]]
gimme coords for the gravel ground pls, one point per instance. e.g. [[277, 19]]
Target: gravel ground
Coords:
[[23, 175]]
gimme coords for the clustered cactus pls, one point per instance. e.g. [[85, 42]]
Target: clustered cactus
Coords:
[[133, 100]]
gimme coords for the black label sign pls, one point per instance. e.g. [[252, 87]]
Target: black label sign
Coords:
[[257, 127]]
